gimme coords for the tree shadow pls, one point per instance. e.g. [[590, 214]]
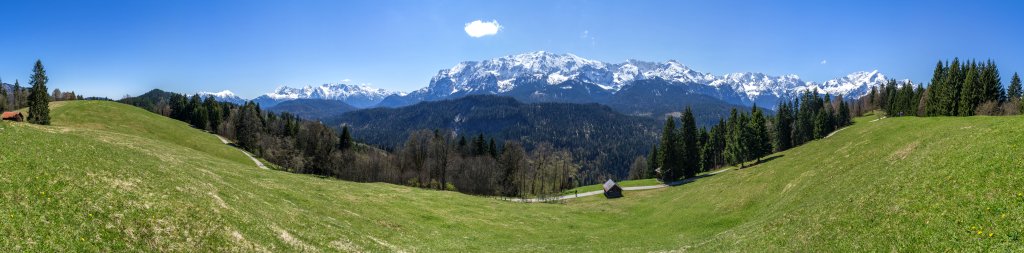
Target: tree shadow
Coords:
[[763, 161], [698, 177]]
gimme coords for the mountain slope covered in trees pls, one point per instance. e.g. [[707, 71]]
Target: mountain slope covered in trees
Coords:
[[312, 108], [606, 141], [102, 178]]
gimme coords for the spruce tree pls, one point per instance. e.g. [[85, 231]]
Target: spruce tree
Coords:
[[936, 91], [480, 146], [652, 160], [971, 93], [345, 140], [689, 150], [783, 127], [39, 98], [760, 145], [1014, 92], [735, 146], [669, 151], [492, 149], [16, 95]]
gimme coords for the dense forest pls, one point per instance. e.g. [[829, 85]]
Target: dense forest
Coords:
[[312, 109], [427, 158], [687, 150], [602, 140]]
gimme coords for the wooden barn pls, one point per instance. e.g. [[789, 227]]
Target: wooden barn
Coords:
[[13, 116], [612, 190]]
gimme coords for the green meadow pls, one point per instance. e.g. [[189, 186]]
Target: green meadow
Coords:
[[111, 177]]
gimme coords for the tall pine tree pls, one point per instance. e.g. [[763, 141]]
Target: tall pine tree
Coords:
[[39, 98], [345, 140], [690, 156], [760, 144], [1014, 92], [669, 151]]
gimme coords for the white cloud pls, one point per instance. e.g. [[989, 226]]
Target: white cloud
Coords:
[[477, 28], [346, 80], [823, 62]]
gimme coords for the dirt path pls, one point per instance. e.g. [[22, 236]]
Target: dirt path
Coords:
[[258, 163], [631, 188]]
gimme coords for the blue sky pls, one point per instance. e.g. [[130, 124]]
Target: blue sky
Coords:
[[113, 48]]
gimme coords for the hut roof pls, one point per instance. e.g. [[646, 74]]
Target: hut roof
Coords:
[[10, 115], [608, 185]]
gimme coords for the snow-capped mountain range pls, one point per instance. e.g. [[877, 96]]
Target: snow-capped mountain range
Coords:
[[543, 76], [224, 96], [361, 96], [502, 75]]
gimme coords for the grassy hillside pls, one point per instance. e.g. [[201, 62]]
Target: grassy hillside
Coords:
[[104, 183]]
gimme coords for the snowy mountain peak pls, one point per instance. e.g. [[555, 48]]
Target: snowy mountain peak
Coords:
[[855, 84], [327, 91], [221, 94], [224, 96], [355, 95]]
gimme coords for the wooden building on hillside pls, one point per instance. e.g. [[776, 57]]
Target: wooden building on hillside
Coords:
[[13, 116], [612, 189]]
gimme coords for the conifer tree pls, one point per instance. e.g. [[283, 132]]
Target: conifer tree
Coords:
[[652, 160], [735, 146], [761, 146], [1014, 92], [783, 127], [492, 148], [669, 151], [480, 146], [39, 99], [690, 156], [936, 91], [954, 84], [972, 92], [249, 127], [345, 140], [16, 95]]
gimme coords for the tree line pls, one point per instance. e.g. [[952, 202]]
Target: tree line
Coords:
[[956, 89], [429, 159], [685, 151]]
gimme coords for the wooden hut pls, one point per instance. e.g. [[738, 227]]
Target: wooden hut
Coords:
[[612, 189], [13, 116]]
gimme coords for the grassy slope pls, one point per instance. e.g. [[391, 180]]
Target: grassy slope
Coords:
[[101, 183]]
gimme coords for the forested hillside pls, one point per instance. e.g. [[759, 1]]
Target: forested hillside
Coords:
[[312, 109], [604, 140]]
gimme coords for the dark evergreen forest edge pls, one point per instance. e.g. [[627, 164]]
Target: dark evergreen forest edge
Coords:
[[535, 149]]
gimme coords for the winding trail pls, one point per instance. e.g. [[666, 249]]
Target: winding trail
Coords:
[[258, 163], [631, 188]]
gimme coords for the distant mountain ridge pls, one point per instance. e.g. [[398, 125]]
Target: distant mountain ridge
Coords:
[[361, 96], [597, 80], [224, 96]]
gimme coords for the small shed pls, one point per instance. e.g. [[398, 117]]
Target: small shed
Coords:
[[13, 116], [612, 189]]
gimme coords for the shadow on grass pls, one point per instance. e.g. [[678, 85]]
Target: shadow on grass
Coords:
[[765, 160], [698, 177]]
